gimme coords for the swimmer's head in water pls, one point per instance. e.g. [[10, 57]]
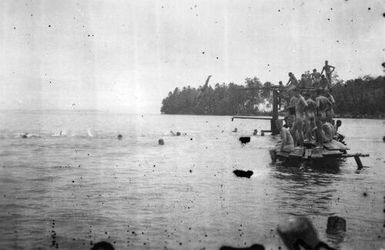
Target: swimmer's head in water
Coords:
[[314, 70], [298, 231], [103, 245]]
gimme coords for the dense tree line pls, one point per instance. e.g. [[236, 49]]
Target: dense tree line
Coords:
[[361, 97], [357, 98]]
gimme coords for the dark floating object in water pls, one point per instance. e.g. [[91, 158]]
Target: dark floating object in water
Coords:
[[102, 245], [178, 133], [235, 130], [299, 233], [161, 142], [120, 136], [242, 173], [245, 139], [255, 132], [336, 225], [383, 138], [252, 247]]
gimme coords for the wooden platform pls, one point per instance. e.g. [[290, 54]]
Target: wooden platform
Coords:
[[333, 149]]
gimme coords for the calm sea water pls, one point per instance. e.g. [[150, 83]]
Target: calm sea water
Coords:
[[73, 183]]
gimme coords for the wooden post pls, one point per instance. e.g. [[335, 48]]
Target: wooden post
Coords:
[[358, 161], [273, 121]]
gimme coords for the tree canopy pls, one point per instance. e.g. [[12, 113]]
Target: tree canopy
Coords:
[[360, 97]]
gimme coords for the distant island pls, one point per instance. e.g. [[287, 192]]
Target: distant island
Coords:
[[363, 97]]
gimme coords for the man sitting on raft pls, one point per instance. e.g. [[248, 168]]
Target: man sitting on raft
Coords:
[[287, 144], [328, 132]]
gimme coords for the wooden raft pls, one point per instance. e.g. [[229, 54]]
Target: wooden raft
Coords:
[[332, 149]]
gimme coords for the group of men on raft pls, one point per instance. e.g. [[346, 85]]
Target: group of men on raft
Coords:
[[309, 116]]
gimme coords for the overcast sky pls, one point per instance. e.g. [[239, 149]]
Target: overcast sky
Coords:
[[127, 55]]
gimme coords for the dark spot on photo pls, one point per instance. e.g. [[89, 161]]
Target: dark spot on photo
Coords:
[[242, 173], [244, 139]]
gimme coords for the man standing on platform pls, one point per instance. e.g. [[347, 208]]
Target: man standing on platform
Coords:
[[300, 105], [292, 83], [315, 78], [328, 71]]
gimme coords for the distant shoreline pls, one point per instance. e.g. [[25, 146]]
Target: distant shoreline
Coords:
[[351, 116]]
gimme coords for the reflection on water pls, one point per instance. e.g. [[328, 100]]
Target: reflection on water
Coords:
[[305, 190], [72, 190]]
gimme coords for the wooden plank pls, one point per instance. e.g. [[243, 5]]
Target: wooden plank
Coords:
[[252, 117], [331, 152], [354, 155], [298, 152], [316, 153], [307, 153]]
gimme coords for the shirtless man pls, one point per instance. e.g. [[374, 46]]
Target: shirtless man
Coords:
[[307, 82], [287, 144], [323, 104], [328, 71], [324, 83], [300, 105], [330, 112], [293, 82], [310, 117], [339, 137], [315, 78], [328, 132], [302, 82]]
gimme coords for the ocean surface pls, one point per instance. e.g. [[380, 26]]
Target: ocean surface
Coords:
[[72, 183]]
